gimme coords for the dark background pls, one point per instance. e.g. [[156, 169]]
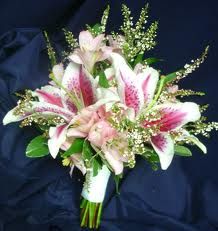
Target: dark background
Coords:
[[39, 194]]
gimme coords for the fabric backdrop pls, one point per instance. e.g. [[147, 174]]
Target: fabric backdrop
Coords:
[[39, 194]]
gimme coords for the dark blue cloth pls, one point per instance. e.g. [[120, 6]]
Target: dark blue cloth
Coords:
[[39, 194]]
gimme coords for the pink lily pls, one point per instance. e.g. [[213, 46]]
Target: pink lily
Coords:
[[54, 101], [137, 90], [113, 153], [173, 117], [79, 83], [92, 50]]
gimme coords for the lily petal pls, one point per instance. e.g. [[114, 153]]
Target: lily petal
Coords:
[[57, 138], [107, 96], [175, 115], [76, 57], [75, 132], [87, 86], [109, 73], [78, 162], [49, 94], [58, 70], [129, 90], [45, 109], [193, 139], [71, 79], [10, 117], [97, 42], [164, 147], [86, 40], [113, 159], [198, 143], [148, 80], [80, 82]]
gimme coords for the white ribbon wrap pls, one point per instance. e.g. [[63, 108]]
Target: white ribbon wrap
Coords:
[[96, 188]]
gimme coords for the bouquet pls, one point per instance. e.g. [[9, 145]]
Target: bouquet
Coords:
[[105, 104]]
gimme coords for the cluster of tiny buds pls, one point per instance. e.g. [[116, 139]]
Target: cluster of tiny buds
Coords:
[[104, 19], [129, 155], [137, 40], [203, 108], [131, 160], [171, 96], [72, 42], [189, 68], [136, 139], [37, 119], [205, 128], [24, 104]]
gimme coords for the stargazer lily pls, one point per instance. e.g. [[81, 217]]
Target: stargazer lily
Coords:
[[137, 90], [55, 101]]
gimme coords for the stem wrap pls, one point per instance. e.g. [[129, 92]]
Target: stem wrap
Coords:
[[95, 186]]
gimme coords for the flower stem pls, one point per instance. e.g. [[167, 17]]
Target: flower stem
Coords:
[[90, 214]]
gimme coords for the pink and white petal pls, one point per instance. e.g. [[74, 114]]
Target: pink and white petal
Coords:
[[164, 147], [58, 71], [89, 59], [70, 79], [78, 162], [113, 159], [43, 109], [74, 132], [76, 57], [175, 115], [109, 73], [87, 86], [104, 53], [186, 136], [97, 42], [57, 138], [198, 143], [49, 94], [128, 87], [148, 80], [107, 97], [10, 117], [47, 109], [86, 40], [68, 104]]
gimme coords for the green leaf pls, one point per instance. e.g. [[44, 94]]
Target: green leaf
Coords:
[[117, 179], [169, 78], [182, 151], [103, 82], [138, 59], [37, 147], [76, 147], [97, 29], [43, 127], [152, 60], [96, 166], [154, 158], [87, 151]]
